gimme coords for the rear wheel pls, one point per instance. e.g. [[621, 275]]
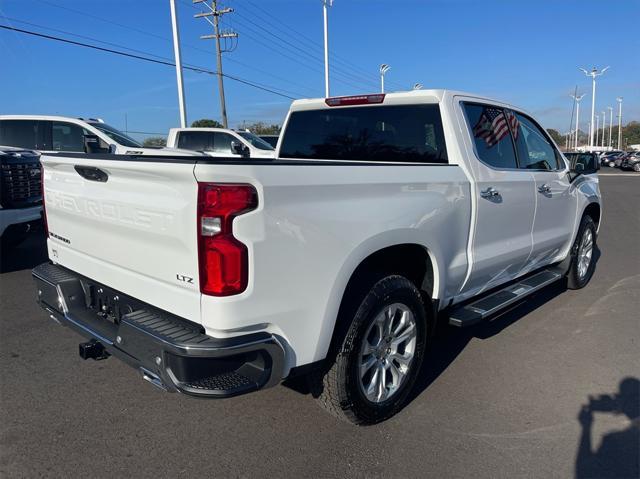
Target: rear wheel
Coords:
[[378, 361], [636, 167], [583, 262]]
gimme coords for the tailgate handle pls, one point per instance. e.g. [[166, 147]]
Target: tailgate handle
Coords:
[[92, 173]]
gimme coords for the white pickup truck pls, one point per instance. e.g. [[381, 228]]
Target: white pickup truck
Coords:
[[215, 277], [53, 134], [220, 142]]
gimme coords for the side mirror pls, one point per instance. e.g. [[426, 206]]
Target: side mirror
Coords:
[[93, 144], [239, 148]]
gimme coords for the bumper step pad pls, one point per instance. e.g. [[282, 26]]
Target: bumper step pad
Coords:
[[171, 352]]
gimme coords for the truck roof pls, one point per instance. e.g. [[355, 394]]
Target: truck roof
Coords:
[[50, 118], [398, 98]]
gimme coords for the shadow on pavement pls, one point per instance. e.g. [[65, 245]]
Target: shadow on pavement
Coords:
[[28, 254], [618, 454]]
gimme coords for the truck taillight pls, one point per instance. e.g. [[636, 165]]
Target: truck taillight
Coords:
[[223, 260]]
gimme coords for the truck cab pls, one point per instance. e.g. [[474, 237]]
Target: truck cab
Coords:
[[220, 142], [54, 134]]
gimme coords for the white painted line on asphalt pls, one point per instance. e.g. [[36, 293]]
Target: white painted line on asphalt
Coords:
[[628, 175]]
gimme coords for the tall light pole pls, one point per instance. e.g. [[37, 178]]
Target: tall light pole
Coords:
[[604, 127], [597, 130], [593, 74], [176, 52], [325, 5], [577, 99], [619, 100], [384, 68], [610, 108]]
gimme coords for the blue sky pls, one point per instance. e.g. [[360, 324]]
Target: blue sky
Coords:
[[525, 52]]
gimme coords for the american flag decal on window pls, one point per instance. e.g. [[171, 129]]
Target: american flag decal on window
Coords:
[[493, 125]]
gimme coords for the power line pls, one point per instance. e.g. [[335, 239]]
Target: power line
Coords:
[[150, 34], [348, 64], [286, 47], [143, 58]]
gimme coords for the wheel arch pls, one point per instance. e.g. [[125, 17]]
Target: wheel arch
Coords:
[[418, 262]]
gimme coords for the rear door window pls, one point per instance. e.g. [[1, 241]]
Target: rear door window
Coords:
[[402, 133], [489, 126], [196, 140], [23, 133]]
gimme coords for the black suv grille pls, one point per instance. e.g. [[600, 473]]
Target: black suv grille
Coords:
[[20, 184]]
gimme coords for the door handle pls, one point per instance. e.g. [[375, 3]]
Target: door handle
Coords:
[[91, 173], [544, 188], [490, 192]]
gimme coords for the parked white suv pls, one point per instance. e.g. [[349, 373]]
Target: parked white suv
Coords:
[[220, 142], [216, 277], [52, 134]]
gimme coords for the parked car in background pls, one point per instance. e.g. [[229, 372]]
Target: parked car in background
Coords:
[[51, 134], [220, 142], [20, 194], [271, 139], [334, 260], [631, 161], [608, 158]]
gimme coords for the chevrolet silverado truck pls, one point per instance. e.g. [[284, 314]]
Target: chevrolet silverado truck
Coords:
[[381, 213]]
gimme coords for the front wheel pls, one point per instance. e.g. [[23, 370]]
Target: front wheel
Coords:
[[379, 359], [583, 263], [636, 167]]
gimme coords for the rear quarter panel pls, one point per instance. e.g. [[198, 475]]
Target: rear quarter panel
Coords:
[[313, 227]]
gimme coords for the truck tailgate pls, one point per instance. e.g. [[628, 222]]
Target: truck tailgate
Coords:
[[134, 232]]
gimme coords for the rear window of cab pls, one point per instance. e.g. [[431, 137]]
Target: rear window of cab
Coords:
[[395, 133]]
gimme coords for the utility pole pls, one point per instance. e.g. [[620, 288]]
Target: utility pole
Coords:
[[619, 100], [593, 74], [176, 52], [217, 35], [604, 127], [610, 108], [597, 131], [325, 11]]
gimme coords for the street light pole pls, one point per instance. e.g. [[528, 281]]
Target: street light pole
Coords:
[[176, 52], [593, 74], [325, 5], [604, 127], [597, 130], [619, 100], [384, 68], [577, 99], [610, 108]]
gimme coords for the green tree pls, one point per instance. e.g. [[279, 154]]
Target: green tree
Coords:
[[206, 123], [556, 136], [154, 141], [261, 128]]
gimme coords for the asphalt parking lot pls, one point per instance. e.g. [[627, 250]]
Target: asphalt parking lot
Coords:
[[505, 399]]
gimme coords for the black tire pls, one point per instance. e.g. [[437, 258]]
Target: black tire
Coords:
[[574, 279], [340, 391], [636, 167]]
